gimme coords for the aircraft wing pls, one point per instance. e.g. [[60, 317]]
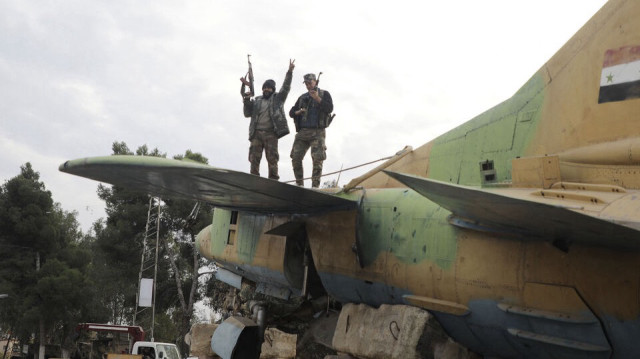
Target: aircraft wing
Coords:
[[191, 180], [525, 214]]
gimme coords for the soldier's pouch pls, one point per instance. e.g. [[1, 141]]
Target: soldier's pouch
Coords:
[[319, 153], [281, 132]]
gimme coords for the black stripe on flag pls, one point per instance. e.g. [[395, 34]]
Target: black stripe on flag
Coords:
[[619, 92]]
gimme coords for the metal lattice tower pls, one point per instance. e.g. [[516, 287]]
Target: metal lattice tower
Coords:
[[149, 264]]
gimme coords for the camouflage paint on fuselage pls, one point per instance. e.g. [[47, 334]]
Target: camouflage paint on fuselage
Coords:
[[555, 113], [499, 135], [406, 225], [238, 231], [236, 241]]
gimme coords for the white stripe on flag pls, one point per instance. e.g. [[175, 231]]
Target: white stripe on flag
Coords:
[[622, 73]]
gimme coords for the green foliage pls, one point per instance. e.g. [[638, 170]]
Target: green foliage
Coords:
[[166, 329], [24, 209], [62, 291], [52, 272], [44, 268], [120, 148], [192, 156], [330, 184], [118, 244]]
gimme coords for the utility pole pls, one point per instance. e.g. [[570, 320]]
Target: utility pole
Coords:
[[149, 266]]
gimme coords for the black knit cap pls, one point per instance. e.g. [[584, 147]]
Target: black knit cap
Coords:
[[270, 84]]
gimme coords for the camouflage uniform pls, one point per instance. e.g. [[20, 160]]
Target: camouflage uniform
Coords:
[[265, 136], [310, 128], [267, 141], [309, 138]]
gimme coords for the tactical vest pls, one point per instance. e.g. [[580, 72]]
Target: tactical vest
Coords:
[[276, 114], [324, 119]]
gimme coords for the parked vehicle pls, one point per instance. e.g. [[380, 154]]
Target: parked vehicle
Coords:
[[121, 342]]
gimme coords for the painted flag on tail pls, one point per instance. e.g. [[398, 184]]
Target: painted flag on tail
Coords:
[[620, 78]]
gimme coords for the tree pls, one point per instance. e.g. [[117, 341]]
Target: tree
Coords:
[[117, 245], [119, 242], [44, 268], [184, 222]]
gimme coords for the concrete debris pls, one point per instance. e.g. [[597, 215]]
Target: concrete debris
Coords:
[[393, 331], [199, 340], [277, 344]]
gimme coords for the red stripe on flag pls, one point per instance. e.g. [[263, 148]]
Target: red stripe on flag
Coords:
[[621, 55]]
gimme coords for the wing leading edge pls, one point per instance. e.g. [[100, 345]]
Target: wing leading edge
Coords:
[[498, 211], [191, 180]]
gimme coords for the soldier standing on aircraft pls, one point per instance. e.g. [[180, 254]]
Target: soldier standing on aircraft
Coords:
[[268, 123], [311, 115]]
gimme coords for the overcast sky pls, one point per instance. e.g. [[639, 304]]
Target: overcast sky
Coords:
[[75, 76]]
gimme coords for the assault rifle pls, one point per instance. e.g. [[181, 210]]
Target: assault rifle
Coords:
[[248, 82]]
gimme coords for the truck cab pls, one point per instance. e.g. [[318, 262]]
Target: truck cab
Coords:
[[155, 350]]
